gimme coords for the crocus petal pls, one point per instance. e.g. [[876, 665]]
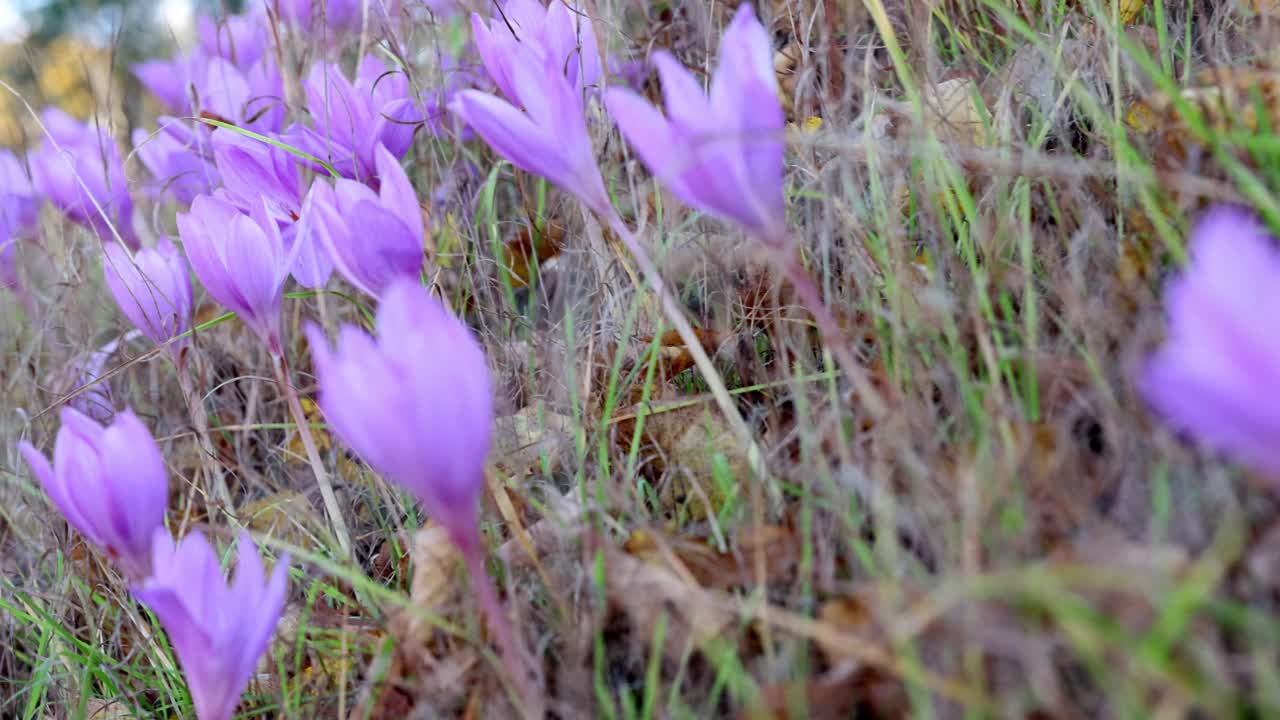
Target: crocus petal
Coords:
[[512, 134]]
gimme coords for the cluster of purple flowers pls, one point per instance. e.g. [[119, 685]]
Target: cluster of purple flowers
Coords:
[[255, 209]]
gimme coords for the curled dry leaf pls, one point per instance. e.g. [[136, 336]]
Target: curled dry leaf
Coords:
[[955, 111], [286, 516], [435, 564], [646, 592], [777, 546], [1227, 98], [523, 440], [689, 443], [867, 612], [844, 691], [1261, 7], [529, 249], [98, 709]]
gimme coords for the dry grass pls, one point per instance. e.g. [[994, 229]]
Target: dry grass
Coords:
[[1018, 537]]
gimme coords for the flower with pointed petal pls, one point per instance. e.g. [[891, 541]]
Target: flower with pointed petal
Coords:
[[255, 171], [82, 379], [371, 238], [78, 165], [722, 153], [240, 259], [174, 157], [109, 483], [559, 33], [249, 96], [351, 119], [241, 38], [1216, 375], [19, 208], [217, 630], [549, 137], [152, 289], [416, 403]]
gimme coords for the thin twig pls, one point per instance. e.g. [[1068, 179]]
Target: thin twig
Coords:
[[313, 455]]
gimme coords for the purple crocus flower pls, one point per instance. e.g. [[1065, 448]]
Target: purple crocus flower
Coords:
[[82, 375], [351, 119], [176, 158], [240, 259], [169, 80], [255, 171], [217, 630], [153, 289], [109, 483], [249, 98], [242, 39], [558, 33], [721, 154], [458, 75], [218, 88], [549, 136], [19, 211], [78, 164], [371, 238], [1216, 375], [323, 17], [420, 415]]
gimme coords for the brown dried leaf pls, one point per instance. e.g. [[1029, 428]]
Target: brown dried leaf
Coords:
[[98, 709], [865, 613], [955, 112], [530, 248], [287, 516], [523, 439], [697, 561], [435, 562], [843, 692], [646, 592], [686, 443]]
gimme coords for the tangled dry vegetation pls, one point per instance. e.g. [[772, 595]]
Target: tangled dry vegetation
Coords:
[[990, 192]]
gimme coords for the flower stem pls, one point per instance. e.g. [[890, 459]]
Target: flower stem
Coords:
[[830, 329], [313, 455], [512, 654], [675, 315]]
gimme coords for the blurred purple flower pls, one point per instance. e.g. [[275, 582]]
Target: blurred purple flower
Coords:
[[241, 261], [456, 191], [168, 80], [351, 119], [251, 97], [1215, 376], [558, 34], [549, 136], [109, 483], [242, 38], [176, 158], [76, 153], [632, 74], [217, 630], [458, 75], [81, 375], [372, 238], [330, 18], [416, 403], [720, 154], [153, 289], [19, 212]]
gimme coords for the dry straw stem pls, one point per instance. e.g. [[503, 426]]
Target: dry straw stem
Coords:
[[675, 315], [313, 456]]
